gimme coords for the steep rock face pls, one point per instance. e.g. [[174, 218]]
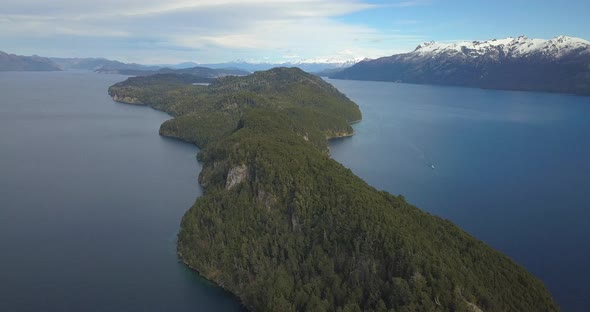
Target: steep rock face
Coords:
[[235, 176], [127, 99], [265, 198], [557, 65], [339, 134]]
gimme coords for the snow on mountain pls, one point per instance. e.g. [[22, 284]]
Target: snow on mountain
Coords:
[[561, 64], [511, 47], [337, 62]]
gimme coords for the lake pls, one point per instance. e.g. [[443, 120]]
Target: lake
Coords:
[[91, 199], [511, 168], [91, 196]]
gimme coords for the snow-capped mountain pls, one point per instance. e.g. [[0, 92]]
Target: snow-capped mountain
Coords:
[[337, 62], [556, 48], [561, 64]]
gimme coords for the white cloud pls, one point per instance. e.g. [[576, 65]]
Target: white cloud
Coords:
[[201, 30], [411, 3]]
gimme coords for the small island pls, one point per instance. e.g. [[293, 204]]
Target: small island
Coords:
[[286, 228]]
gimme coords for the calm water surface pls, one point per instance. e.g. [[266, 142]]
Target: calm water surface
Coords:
[[90, 201], [511, 168], [91, 197]]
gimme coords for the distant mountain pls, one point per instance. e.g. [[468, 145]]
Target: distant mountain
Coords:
[[182, 65], [330, 71], [13, 62], [561, 64], [202, 72], [310, 66], [97, 63]]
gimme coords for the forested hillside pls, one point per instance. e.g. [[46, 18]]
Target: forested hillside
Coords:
[[286, 228]]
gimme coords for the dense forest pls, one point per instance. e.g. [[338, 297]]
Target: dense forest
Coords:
[[286, 228]]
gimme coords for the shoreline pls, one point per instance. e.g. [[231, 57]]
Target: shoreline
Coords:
[[582, 94], [179, 255], [337, 137], [211, 281], [196, 256]]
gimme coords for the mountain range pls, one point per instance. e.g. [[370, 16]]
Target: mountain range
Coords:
[[94, 64], [203, 72], [13, 62], [561, 64], [310, 66]]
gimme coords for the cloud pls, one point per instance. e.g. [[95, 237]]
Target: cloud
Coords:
[[201, 30], [411, 3]]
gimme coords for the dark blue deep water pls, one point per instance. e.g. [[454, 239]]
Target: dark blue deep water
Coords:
[[511, 168], [91, 197], [91, 200]]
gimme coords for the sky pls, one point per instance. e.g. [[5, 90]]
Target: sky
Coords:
[[215, 31]]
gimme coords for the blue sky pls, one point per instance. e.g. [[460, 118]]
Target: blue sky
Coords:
[[459, 19], [205, 31]]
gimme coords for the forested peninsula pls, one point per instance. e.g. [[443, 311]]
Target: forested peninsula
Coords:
[[286, 228]]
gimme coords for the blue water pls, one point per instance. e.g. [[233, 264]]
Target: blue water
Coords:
[[511, 168], [91, 199]]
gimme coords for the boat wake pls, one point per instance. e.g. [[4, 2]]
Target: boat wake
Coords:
[[427, 161]]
